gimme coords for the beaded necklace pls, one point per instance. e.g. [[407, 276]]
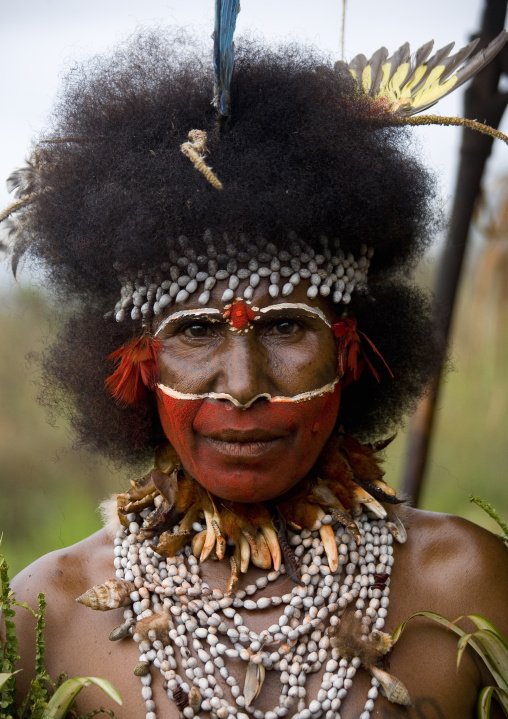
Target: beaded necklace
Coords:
[[187, 630]]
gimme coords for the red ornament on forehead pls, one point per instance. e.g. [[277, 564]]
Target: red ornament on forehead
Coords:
[[239, 314]]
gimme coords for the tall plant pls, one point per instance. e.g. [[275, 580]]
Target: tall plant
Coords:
[[39, 702]]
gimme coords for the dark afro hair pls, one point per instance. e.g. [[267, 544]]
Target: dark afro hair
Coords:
[[302, 154]]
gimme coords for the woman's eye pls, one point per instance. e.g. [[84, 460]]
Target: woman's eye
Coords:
[[285, 327], [197, 329]]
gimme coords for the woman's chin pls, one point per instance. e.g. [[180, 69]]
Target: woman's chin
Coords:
[[246, 487]]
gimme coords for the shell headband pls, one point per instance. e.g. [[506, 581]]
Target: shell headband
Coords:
[[330, 273]]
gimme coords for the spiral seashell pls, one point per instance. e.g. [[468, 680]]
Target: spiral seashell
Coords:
[[393, 689], [381, 641], [142, 669], [114, 593], [121, 631]]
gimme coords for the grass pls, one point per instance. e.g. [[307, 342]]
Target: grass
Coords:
[[50, 492]]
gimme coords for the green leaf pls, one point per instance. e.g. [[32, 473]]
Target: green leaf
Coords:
[[482, 623], [457, 630], [496, 650], [4, 676], [428, 615], [497, 672], [485, 699], [65, 695], [483, 703]]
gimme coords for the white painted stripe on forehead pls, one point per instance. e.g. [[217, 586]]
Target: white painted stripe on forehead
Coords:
[[298, 306], [203, 311], [303, 397], [199, 312]]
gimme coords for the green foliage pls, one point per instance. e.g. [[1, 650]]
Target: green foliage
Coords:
[[487, 507], [9, 651], [490, 645], [37, 704]]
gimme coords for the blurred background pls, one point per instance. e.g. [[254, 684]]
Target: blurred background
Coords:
[[48, 490]]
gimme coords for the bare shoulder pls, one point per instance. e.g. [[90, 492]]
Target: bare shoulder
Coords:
[[454, 566], [61, 573], [61, 576]]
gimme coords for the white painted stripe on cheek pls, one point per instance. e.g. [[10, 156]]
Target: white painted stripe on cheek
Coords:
[[303, 397]]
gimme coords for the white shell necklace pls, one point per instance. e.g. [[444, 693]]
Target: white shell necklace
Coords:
[[206, 627]]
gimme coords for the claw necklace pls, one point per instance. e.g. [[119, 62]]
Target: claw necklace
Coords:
[[187, 631]]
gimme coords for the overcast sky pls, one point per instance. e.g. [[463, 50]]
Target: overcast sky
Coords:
[[41, 39]]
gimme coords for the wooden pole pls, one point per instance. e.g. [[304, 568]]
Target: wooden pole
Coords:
[[483, 102]]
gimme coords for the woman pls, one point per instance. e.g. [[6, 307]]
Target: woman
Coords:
[[266, 317]]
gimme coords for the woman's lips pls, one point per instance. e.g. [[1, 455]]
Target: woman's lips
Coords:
[[244, 444]]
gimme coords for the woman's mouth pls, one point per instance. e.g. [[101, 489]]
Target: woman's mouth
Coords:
[[244, 444]]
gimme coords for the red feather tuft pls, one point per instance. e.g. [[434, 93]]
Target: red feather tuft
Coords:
[[351, 354], [137, 370]]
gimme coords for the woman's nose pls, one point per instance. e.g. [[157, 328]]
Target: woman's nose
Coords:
[[243, 374]]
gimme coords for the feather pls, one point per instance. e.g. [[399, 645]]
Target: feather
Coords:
[[410, 85], [109, 516], [356, 67], [351, 353], [226, 12], [397, 65], [137, 369], [290, 560], [376, 62]]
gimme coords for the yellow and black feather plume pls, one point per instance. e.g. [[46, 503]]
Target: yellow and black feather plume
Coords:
[[410, 84]]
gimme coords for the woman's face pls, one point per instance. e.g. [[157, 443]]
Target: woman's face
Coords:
[[249, 399]]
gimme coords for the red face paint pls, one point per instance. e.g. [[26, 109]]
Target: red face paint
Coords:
[[248, 455]]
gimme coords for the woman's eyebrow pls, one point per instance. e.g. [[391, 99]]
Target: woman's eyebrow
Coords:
[[300, 307], [198, 313]]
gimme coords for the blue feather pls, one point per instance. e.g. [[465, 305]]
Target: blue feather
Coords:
[[226, 12]]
